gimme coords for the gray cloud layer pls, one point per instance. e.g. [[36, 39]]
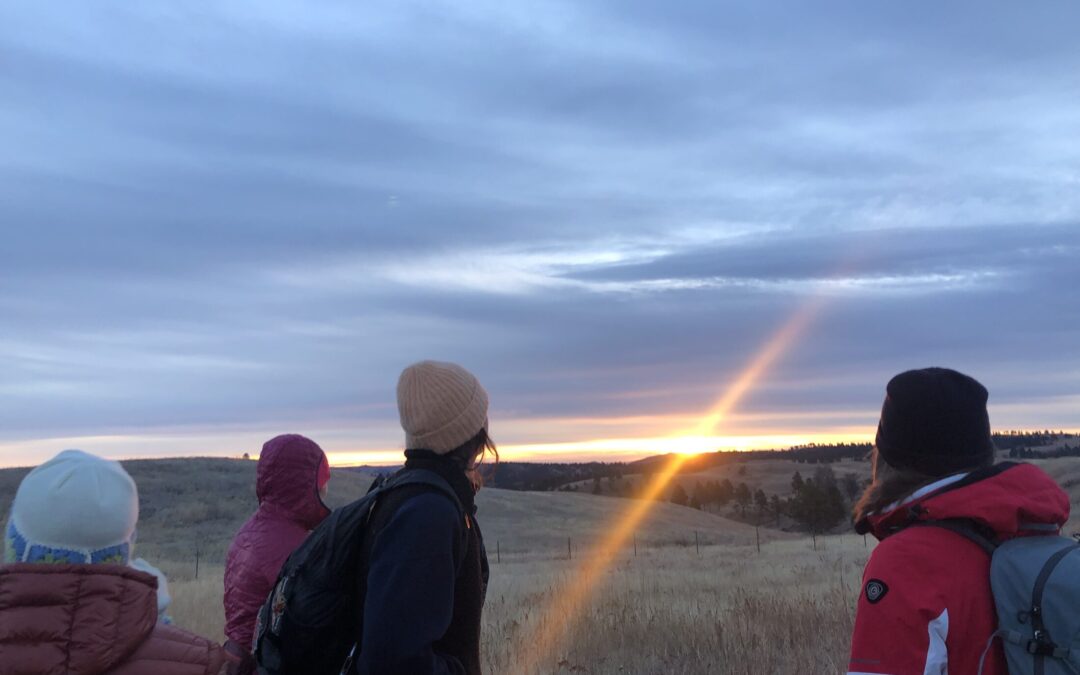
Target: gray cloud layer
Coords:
[[257, 213]]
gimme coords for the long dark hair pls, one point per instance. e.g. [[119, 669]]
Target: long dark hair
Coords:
[[472, 455], [889, 485]]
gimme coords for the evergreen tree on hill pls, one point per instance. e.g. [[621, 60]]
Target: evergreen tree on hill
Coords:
[[726, 493], [776, 508], [743, 497], [699, 496], [679, 496], [797, 482]]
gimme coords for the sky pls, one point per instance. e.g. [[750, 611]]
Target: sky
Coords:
[[225, 221]]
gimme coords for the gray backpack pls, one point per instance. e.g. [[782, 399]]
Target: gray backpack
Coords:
[[1036, 586]]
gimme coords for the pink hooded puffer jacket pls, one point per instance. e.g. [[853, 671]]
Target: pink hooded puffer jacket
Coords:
[[289, 472]]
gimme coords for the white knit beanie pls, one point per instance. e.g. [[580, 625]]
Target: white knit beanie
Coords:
[[75, 508], [441, 405]]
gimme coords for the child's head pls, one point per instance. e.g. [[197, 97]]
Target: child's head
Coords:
[[75, 508]]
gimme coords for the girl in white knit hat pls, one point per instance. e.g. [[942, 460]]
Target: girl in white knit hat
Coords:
[[72, 599], [423, 554]]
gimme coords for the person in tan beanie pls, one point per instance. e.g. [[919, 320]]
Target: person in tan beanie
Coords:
[[423, 559]]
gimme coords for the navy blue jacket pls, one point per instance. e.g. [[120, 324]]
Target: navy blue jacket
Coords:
[[426, 577]]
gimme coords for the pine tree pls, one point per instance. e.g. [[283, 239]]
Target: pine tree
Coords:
[[726, 493], [679, 496], [699, 496], [743, 496], [776, 507], [761, 503], [797, 482]]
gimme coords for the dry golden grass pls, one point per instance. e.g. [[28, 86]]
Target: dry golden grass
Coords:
[[728, 609], [1066, 471], [197, 604]]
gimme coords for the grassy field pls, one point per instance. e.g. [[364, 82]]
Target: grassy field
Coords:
[[671, 608], [787, 610]]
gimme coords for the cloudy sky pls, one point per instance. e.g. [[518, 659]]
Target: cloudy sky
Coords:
[[224, 221]]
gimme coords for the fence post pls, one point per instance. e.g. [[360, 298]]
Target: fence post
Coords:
[[635, 544], [196, 562], [498, 551], [757, 537], [864, 541], [813, 536], [569, 551], [697, 543]]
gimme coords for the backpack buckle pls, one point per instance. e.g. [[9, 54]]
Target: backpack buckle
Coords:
[[1040, 646]]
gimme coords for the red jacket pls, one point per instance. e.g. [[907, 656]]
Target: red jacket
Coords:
[[289, 507], [926, 606], [92, 620]]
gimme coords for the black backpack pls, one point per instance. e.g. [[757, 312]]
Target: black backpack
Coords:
[[312, 619]]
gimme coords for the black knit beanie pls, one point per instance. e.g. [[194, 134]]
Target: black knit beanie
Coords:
[[934, 421]]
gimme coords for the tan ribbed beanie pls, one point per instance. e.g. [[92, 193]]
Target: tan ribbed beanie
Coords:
[[441, 405]]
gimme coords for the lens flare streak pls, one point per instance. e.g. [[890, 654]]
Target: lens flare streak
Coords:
[[558, 618]]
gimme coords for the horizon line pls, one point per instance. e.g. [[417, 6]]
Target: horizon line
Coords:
[[568, 452]]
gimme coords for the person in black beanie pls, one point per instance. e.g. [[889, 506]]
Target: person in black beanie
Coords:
[[933, 423], [926, 605]]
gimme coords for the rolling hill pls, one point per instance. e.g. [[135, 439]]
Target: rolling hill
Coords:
[[194, 506]]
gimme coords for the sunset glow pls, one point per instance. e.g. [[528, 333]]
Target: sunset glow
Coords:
[[619, 449], [565, 607], [587, 450]]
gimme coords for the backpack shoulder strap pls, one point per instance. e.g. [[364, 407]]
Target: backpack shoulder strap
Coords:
[[967, 529], [422, 477]]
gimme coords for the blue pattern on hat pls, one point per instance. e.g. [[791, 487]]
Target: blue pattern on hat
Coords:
[[14, 544], [17, 548], [54, 556], [113, 555]]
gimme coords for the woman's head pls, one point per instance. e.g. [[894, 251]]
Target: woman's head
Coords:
[[441, 405], [443, 408], [933, 424], [292, 474], [75, 508], [934, 421]]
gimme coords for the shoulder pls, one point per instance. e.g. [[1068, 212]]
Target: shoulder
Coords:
[[426, 506], [930, 556], [928, 543], [170, 646], [266, 533], [417, 518]]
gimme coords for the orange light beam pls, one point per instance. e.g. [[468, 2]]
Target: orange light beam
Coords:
[[779, 343], [564, 608]]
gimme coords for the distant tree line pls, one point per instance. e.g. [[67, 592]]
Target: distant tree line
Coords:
[[586, 476], [535, 476], [811, 454], [815, 504], [1029, 453], [1009, 440]]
